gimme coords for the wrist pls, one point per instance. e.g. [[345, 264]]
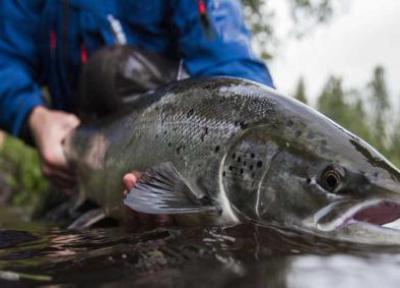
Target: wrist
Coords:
[[36, 116]]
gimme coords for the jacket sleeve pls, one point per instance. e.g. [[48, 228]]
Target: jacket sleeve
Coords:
[[20, 91], [227, 51]]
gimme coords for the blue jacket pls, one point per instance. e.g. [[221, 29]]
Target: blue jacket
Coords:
[[43, 43]]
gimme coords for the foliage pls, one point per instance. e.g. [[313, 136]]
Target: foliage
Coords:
[[394, 148], [344, 106], [260, 15], [300, 93], [365, 112], [305, 15], [19, 165], [379, 99]]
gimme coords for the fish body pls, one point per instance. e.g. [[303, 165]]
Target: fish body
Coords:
[[188, 125], [240, 152]]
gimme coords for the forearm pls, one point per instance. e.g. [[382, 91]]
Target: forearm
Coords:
[[20, 90], [18, 97]]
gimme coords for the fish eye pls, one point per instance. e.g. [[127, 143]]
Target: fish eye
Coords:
[[330, 179]]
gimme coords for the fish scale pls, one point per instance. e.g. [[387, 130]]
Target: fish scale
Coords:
[[230, 150], [195, 122]]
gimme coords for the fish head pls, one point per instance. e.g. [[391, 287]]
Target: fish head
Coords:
[[307, 172]]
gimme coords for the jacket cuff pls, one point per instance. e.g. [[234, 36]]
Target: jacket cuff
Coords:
[[20, 127]]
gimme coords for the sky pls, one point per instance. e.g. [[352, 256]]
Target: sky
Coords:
[[366, 34]]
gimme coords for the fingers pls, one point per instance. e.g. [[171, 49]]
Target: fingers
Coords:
[[66, 186], [61, 178], [131, 179], [71, 122], [140, 219], [49, 128], [57, 172]]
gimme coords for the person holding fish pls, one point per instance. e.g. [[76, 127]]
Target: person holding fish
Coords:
[[46, 43]]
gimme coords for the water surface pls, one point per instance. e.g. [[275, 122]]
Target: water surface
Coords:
[[37, 254]]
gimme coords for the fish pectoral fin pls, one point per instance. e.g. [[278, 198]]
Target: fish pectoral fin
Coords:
[[162, 190]]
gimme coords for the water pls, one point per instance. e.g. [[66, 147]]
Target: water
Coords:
[[36, 254]]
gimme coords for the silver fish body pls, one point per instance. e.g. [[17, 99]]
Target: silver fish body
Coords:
[[241, 152], [189, 124]]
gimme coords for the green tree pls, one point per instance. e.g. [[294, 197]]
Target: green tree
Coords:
[[358, 120], [300, 93], [394, 149], [380, 105], [345, 107], [331, 101], [394, 146], [306, 14]]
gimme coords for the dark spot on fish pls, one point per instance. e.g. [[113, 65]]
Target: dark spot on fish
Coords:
[[241, 171], [259, 164], [230, 168], [243, 125], [165, 132], [308, 180], [252, 155], [205, 132], [233, 155], [376, 174], [216, 149], [205, 200], [239, 159], [253, 175], [223, 174], [169, 144], [236, 123], [179, 149], [298, 133], [251, 167], [289, 123], [324, 142], [190, 113], [244, 163]]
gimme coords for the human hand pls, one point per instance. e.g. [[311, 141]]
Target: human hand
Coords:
[[49, 129], [129, 181]]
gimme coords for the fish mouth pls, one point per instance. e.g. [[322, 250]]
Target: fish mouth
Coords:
[[383, 213], [378, 212]]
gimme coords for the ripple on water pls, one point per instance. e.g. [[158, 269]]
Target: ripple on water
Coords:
[[241, 256]]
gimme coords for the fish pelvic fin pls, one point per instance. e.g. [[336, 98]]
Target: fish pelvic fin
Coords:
[[88, 219], [162, 190]]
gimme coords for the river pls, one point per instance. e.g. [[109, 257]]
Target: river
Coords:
[[38, 254]]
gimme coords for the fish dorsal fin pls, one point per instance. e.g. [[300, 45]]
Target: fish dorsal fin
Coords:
[[162, 190]]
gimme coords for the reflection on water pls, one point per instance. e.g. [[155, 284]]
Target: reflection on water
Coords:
[[241, 256]]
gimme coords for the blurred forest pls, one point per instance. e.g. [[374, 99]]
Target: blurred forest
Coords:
[[366, 111]]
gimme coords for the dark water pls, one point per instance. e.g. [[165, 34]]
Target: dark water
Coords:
[[36, 254]]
